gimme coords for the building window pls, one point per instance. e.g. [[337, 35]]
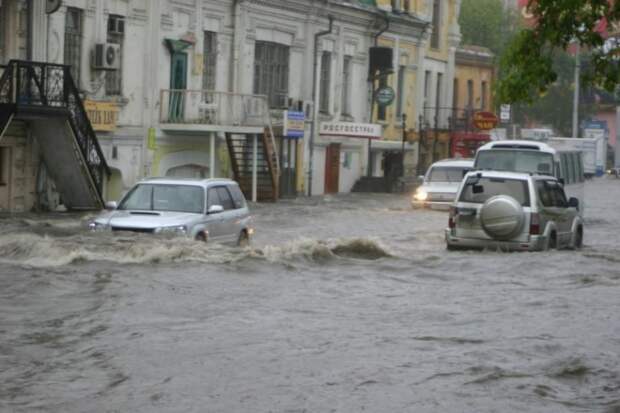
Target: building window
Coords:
[[400, 103], [73, 43], [210, 60], [436, 24], [470, 94], [483, 96], [4, 165], [382, 111], [438, 99], [116, 34], [326, 68], [427, 91], [114, 152], [455, 94], [346, 85], [2, 33], [271, 61]]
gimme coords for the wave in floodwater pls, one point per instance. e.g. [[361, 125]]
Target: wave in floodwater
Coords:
[[36, 250]]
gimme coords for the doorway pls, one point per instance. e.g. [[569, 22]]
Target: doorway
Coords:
[[178, 84], [288, 161], [332, 168]]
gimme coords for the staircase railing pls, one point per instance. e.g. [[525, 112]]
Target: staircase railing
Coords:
[[45, 85]]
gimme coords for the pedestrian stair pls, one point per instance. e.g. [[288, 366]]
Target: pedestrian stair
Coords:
[[45, 96], [241, 149]]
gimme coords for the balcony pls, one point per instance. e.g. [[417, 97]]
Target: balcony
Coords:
[[208, 111]]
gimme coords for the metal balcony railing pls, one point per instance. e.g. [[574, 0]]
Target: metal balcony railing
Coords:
[[213, 108]]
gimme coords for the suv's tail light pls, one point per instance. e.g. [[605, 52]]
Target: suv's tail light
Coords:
[[534, 224], [451, 223]]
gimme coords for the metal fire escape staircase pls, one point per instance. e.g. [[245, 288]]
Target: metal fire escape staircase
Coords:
[[45, 96], [241, 150]]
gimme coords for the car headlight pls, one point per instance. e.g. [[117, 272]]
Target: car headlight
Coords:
[[98, 226], [177, 229], [421, 195]]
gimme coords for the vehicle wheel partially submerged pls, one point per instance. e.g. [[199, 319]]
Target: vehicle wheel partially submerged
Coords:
[[244, 239], [201, 236], [502, 217]]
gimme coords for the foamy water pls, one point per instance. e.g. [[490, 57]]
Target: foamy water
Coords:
[[347, 303]]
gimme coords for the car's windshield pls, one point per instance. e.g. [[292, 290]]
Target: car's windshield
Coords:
[[446, 174], [159, 197], [478, 190], [515, 160]]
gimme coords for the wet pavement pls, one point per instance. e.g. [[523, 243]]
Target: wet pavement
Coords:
[[342, 304]]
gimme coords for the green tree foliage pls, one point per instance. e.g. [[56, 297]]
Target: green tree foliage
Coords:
[[487, 23], [528, 61]]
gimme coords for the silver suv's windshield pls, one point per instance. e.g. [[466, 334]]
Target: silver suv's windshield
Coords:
[[446, 174], [515, 160], [160, 197], [478, 190]]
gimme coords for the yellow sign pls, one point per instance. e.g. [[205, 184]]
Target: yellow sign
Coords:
[[103, 115], [152, 139]]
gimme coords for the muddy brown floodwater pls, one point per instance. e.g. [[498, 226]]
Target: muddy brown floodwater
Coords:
[[342, 304]]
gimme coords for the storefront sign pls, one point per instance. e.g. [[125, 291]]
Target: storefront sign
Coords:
[[385, 96], [103, 115], [504, 114], [485, 120], [294, 124], [354, 130]]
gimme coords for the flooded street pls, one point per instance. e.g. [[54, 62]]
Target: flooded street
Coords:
[[342, 304]]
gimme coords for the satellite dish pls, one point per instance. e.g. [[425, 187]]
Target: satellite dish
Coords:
[[52, 5]]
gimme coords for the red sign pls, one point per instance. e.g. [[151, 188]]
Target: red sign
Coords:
[[485, 120]]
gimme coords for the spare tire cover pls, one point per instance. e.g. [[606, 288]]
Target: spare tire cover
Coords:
[[502, 217]]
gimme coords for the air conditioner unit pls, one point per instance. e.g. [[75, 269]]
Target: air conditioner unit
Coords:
[[107, 56]]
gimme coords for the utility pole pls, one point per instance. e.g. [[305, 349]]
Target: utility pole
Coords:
[[576, 95]]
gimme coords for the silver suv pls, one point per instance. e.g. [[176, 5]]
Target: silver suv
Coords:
[[206, 209], [513, 211]]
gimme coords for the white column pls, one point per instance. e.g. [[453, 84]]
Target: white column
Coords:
[[212, 154], [254, 169]]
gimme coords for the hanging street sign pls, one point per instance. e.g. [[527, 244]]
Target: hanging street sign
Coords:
[[485, 120], [385, 96], [504, 113], [294, 124]]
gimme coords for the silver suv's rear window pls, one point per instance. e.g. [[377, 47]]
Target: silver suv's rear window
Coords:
[[478, 190]]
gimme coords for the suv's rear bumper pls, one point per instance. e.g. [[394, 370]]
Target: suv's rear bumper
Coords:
[[536, 243]]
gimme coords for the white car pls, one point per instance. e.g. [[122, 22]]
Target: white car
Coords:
[[205, 209], [440, 183]]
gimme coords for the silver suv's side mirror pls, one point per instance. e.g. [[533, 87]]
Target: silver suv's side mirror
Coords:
[[215, 209], [573, 203], [111, 205]]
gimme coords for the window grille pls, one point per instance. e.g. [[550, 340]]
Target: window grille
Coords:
[[346, 85], [271, 68], [210, 60], [326, 66], [114, 78], [73, 42]]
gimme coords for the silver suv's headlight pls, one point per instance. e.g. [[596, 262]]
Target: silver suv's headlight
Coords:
[[98, 226], [177, 229]]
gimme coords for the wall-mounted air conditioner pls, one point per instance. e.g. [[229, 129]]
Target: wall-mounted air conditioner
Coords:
[[107, 56]]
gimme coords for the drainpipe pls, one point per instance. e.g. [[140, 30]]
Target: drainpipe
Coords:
[[371, 81], [315, 98], [236, 21]]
